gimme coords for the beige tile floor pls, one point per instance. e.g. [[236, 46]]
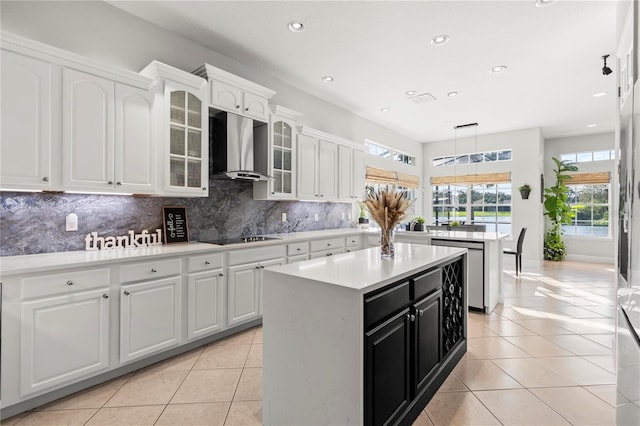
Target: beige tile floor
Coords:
[[542, 358]]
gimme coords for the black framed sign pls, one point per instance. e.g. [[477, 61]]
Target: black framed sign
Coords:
[[174, 224]]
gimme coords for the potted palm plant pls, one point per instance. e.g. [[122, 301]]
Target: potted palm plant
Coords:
[[558, 210], [525, 190]]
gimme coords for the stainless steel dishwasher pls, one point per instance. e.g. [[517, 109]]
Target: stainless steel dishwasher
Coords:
[[475, 269]]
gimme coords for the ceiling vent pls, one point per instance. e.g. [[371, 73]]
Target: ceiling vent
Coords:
[[422, 98]]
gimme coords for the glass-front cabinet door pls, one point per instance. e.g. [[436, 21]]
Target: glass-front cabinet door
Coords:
[[281, 155], [185, 151], [283, 158]]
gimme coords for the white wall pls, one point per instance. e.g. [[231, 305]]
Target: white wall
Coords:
[[582, 248], [525, 167], [109, 35]]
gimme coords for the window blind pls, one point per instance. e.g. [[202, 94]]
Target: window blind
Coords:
[[504, 177], [588, 178], [389, 177]]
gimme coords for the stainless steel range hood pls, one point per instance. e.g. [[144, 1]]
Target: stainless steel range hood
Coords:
[[233, 142]]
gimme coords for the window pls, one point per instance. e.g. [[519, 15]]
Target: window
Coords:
[[486, 204], [473, 158], [384, 152], [591, 204], [585, 157]]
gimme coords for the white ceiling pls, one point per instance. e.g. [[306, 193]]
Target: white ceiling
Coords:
[[378, 50]]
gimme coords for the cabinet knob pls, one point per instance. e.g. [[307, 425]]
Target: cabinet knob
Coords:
[[118, 183], [322, 195], [206, 262], [261, 267], [258, 267], [110, 182], [237, 106], [153, 270], [221, 274], [348, 251], [69, 282], [273, 193], [411, 317], [329, 254], [204, 188], [328, 244], [421, 312], [126, 293], [246, 109], [105, 296], [298, 249], [45, 179]]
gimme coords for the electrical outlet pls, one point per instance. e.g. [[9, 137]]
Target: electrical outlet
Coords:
[[284, 217], [316, 216], [72, 222]]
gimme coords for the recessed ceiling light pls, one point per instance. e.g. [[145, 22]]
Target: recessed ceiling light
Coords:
[[599, 94], [498, 69], [385, 110], [591, 125], [542, 3], [439, 40], [296, 26], [327, 78], [452, 94], [410, 92]]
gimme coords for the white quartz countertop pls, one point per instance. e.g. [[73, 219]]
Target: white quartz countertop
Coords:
[[364, 270], [455, 235], [12, 265]]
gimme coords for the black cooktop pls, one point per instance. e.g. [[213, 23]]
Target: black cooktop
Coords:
[[239, 240]]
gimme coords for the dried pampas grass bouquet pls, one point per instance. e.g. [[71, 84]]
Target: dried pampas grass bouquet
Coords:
[[387, 207]]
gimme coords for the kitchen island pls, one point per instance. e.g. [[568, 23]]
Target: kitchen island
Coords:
[[484, 257], [354, 339]]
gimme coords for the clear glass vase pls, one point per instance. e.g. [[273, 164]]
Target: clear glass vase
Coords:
[[387, 250]]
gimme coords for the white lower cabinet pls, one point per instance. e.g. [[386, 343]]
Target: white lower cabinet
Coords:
[[150, 314], [63, 338], [205, 306], [243, 293]]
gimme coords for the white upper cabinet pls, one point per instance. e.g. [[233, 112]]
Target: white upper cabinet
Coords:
[[88, 127], [351, 173], [26, 115], [228, 92], [107, 134], [135, 140], [329, 167], [184, 129], [280, 156], [72, 124]]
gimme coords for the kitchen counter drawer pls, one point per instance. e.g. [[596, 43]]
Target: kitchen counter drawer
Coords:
[[48, 285], [382, 305], [295, 249], [327, 244], [258, 254], [205, 262], [150, 270]]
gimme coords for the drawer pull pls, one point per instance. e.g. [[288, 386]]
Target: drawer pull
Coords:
[[105, 296], [258, 267], [110, 182], [261, 267], [69, 282], [45, 179], [411, 317], [298, 249], [221, 274], [118, 183], [329, 254], [153, 270], [126, 293], [206, 262]]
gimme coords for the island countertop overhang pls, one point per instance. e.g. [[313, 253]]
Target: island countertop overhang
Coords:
[[364, 270]]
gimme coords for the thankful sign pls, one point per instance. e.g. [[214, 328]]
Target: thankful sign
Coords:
[[143, 239]]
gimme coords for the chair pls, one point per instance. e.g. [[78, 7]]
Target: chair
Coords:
[[518, 251]]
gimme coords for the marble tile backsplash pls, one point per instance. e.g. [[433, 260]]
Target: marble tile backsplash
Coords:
[[35, 222]]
